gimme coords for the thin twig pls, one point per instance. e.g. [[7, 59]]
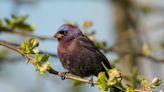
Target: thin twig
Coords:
[[110, 49], [52, 71], [122, 53], [139, 90], [41, 52], [150, 57], [27, 34]]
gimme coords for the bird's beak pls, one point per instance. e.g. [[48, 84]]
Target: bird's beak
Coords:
[[58, 35]]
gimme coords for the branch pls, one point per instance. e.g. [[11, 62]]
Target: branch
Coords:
[[52, 71], [149, 57], [41, 52], [140, 90], [110, 49], [27, 34], [122, 53]]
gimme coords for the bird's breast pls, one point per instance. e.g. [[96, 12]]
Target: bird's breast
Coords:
[[79, 60]]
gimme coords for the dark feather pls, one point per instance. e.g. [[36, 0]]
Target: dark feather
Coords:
[[87, 43]]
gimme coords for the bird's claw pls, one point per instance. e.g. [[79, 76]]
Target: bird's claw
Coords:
[[91, 82], [63, 75]]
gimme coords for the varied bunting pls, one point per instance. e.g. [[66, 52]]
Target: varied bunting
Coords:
[[78, 54]]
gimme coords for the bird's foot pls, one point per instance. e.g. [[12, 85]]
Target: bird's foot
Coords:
[[91, 82], [63, 75]]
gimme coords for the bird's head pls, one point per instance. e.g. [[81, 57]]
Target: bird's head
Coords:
[[67, 32]]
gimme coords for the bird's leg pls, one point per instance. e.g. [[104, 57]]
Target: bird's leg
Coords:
[[63, 75], [91, 81]]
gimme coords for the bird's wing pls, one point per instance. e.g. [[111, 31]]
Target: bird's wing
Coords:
[[88, 44]]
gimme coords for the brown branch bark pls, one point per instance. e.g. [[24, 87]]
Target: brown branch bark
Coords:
[[140, 90], [41, 52], [27, 34], [110, 49], [122, 53], [52, 71]]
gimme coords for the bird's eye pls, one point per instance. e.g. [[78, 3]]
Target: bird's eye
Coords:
[[65, 32]]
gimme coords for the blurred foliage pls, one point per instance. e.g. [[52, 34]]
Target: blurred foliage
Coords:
[[102, 82], [149, 87], [87, 24], [28, 46], [11, 25], [134, 77], [146, 49], [76, 86], [16, 23], [3, 54], [40, 62], [162, 44], [145, 9], [129, 89], [115, 79]]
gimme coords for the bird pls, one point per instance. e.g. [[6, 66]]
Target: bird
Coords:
[[78, 54]]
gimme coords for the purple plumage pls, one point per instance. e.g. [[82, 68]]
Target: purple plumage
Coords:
[[77, 52]]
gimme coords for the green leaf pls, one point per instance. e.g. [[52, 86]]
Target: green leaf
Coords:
[[102, 85], [114, 77], [13, 16], [112, 89], [28, 46], [145, 84], [45, 58], [30, 41], [19, 22], [36, 51], [38, 57], [44, 67], [77, 83], [25, 27], [146, 49], [155, 82], [23, 46], [129, 89], [146, 9], [27, 49], [102, 76], [7, 21], [33, 42], [21, 19], [0, 22], [102, 82], [87, 24], [27, 61]]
